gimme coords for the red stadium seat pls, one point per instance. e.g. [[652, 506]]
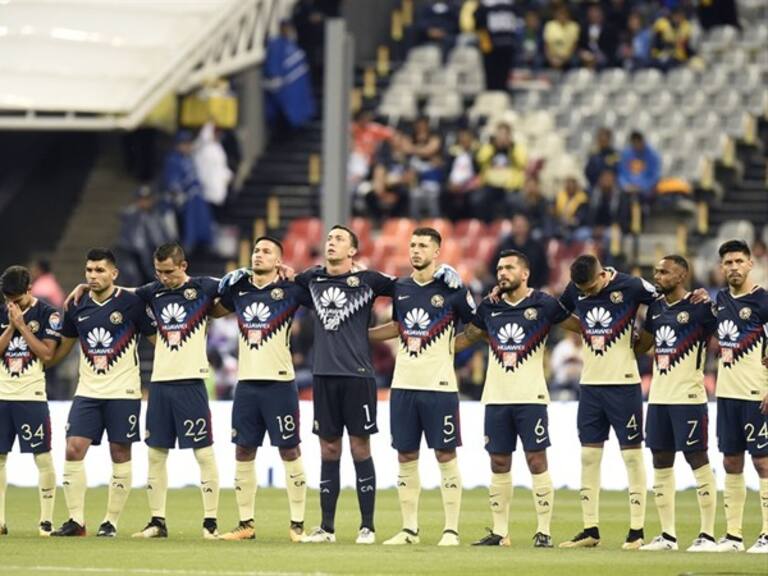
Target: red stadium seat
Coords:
[[442, 225], [469, 229], [310, 229]]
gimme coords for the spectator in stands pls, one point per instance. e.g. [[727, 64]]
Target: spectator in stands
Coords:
[[609, 204], [463, 178], [438, 23], [635, 48], [502, 164], [536, 208], [424, 148], [603, 156], [714, 13], [566, 362], [393, 179], [561, 36], [572, 210], [617, 15], [367, 137], [211, 165], [44, 283], [639, 168], [309, 18], [671, 40], [496, 25], [759, 272], [520, 239], [598, 42], [530, 42]]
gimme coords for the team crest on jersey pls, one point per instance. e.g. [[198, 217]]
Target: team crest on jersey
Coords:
[[190, 294], [531, 314], [34, 325], [353, 281], [683, 318], [116, 318], [745, 313], [437, 301], [54, 321], [277, 294], [617, 297]]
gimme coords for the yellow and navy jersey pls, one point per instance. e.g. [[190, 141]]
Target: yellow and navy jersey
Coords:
[[108, 333], [517, 336], [426, 316], [606, 321], [264, 318], [742, 331], [343, 305], [181, 315], [680, 333], [21, 372]]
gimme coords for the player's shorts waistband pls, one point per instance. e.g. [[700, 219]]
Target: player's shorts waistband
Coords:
[[264, 382], [184, 382], [351, 380]]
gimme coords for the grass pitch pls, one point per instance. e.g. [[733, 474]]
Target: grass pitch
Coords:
[[185, 553]]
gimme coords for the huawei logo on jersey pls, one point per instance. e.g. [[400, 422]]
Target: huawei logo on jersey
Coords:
[[333, 298], [599, 317], [511, 332], [665, 337], [417, 318], [727, 330], [99, 338], [17, 357], [258, 311], [173, 314], [18, 345]]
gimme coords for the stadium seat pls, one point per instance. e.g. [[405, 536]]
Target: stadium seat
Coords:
[[488, 104], [465, 58], [309, 229], [427, 56], [647, 81], [472, 229], [743, 229], [681, 81], [398, 103], [442, 225], [445, 105], [528, 101]]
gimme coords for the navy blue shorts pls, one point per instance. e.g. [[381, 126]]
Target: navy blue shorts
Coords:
[[435, 414], [741, 426], [266, 406], [505, 422], [344, 401], [677, 427], [30, 421], [89, 417], [603, 407], [178, 410]]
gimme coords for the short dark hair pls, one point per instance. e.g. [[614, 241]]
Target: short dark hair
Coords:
[[734, 246], [636, 135], [172, 250], [679, 260], [517, 254], [44, 265], [96, 254], [584, 269], [352, 235], [15, 281], [274, 241], [431, 232]]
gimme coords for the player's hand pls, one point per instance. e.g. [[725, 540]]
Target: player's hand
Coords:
[[232, 278], [449, 276], [495, 295], [765, 361], [76, 295], [286, 272], [699, 296], [15, 315], [764, 405]]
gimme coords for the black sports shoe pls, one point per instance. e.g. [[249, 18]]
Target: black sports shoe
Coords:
[[156, 528], [45, 529], [210, 529], [69, 528], [492, 539], [587, 538], [541, 540], [107, 530], [3, 530], [635, 539]]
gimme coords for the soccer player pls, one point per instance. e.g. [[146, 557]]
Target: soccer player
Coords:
[[742, 390], [424, 398], [107, 322], [606, 302], [515, 394], [677, 417], [266, 397], [29, 334]]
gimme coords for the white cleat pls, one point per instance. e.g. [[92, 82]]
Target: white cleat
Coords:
[[319, 536], [702, 544], [366, 536], [450, 538], [726, 544], [760, 546], [403, 537], [658, 544]]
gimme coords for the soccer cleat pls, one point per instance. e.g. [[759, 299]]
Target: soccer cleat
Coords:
[[69, 528], [3, 530], [155, 529], [760, 546], [296, 532], [635, 539], [659, 543], [210, 529], [243, 531], [45, 529], [107, 530], [587, 538], [450, 538], [541, 540], [405, 536], [703, 543], [729, 544], [366, 536], [492, 539], [319, 536]]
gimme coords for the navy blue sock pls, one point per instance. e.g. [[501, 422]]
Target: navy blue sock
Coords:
[[329, 493], [366, 491]]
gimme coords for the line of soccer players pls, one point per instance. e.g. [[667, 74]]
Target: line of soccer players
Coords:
[[599, 303]]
